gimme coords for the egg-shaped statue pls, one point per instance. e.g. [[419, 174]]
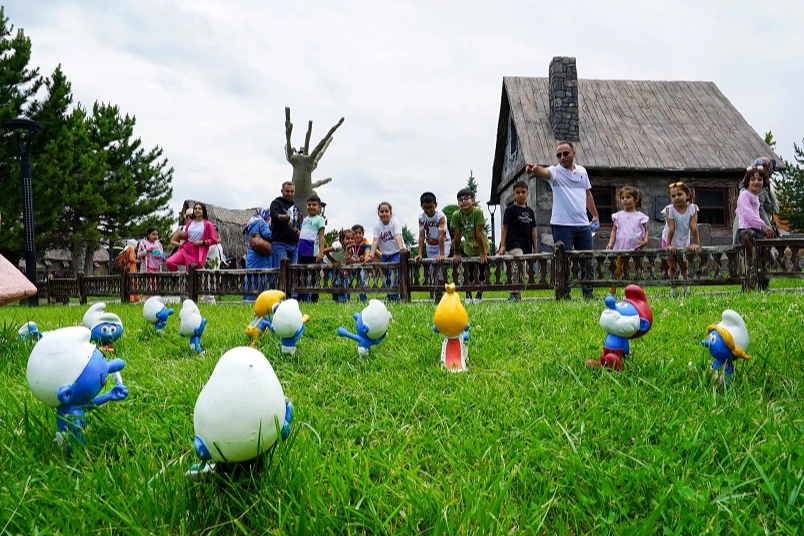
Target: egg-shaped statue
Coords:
[[242, 410], [450, 317]]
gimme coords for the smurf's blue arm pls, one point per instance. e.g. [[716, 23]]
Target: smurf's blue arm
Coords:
[[288, 419], [291, 341], [343, 333], [118, 392]]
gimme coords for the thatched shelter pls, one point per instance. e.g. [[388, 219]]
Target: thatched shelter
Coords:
[[230, 222]]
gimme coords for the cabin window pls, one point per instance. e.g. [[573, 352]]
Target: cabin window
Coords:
[[513, 141], [712, 205], [605, 201]]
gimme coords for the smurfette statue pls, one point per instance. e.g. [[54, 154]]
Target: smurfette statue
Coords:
[[451, 320], [156, 313], [241, 412], [372, 326], [288, 323], [105, 327], [727, 341], [191, 324], [66, 371], [263, 308], [627, 319]]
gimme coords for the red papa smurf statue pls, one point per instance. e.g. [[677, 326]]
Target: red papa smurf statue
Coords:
[[241, 412], [66, 371], [155, 312], [192, 324], [627, 319], [727, 340], [105, 327], [371, 325], [263, 308]]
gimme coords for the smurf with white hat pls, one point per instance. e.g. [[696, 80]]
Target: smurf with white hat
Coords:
[[727, 340], [67, 372]]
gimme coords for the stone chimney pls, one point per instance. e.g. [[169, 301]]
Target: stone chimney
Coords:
[[563, 87]]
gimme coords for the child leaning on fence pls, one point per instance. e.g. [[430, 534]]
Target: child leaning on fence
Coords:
[[680, 227], [469, 223], [629, 230], [434, 239], [388, 242], [518, 231]]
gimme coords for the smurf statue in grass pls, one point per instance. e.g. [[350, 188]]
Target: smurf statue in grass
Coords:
[[288, 323], [29, 332], [105, 327], [241, 412], [627, 319], [66, 371], [727, 341], [451, 320], [263, 308], [156, 313], [191, 324], [371, 324]]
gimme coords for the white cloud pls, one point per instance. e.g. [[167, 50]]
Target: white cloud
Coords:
[[418, 82]]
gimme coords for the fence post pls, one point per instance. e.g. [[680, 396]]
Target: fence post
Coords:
[[404, 275], [751, 260], [284, 283], [124, 282], [192, 282], [560, 269], [82, 289]]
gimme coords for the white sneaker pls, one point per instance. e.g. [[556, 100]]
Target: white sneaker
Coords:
[[476, 301], [467, 301]]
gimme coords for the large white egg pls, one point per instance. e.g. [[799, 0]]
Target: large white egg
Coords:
[[376, 318], [240, 410]]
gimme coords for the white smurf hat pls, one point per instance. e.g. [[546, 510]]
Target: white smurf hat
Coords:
[[58, 359], [734, 333]]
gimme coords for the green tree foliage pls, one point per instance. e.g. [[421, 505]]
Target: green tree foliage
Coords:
[[94, 182], [408, 238], [789, 188]]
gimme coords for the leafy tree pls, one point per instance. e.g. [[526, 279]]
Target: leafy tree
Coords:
[[408, 238], [789, 188], [18, 83]]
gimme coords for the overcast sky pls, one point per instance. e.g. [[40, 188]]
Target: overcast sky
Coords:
[[418, 82]]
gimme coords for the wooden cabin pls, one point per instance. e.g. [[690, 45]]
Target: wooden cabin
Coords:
[[643, 133]]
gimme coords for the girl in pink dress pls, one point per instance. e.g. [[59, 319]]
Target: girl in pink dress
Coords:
[[630, 227]]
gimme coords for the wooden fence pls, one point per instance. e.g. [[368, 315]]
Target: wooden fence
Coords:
[[743, 264]]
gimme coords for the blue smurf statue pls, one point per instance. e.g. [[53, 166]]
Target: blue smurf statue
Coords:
[[192, 324], [372, 326], [105, 327], [66, 371], [240, 413], [29, 332], [155, 312], [288, 322], [727, 341], [627, 319]]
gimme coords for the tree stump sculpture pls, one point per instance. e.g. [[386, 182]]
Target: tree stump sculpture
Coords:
[[304, 162]]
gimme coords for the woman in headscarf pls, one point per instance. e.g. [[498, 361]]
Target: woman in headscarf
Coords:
[[259, 224]]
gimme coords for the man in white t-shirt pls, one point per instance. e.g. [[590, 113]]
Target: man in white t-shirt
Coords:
[[572, 197]]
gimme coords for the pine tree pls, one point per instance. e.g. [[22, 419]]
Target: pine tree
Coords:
[[789, 188]]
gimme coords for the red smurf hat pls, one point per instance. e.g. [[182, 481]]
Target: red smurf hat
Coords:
[[636, 297]]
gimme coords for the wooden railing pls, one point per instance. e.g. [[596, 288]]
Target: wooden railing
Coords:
[[743, 264]]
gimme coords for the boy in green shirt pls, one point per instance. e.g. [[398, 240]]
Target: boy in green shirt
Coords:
[[468, 223]]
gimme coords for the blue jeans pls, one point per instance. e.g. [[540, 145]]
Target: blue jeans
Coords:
[[279, 251], [579, 238], [393, 257]]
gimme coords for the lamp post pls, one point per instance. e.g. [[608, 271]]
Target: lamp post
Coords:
[[25, 128], [493, 237]]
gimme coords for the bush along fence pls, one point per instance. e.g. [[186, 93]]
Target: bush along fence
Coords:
[[743, 264]]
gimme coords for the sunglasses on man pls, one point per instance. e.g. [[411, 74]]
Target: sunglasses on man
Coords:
[[564, 154]]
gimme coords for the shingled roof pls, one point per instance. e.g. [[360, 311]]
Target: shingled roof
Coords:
[[632, 125]]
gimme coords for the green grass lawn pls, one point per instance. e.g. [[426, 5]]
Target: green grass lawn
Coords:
[[530, 440]]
